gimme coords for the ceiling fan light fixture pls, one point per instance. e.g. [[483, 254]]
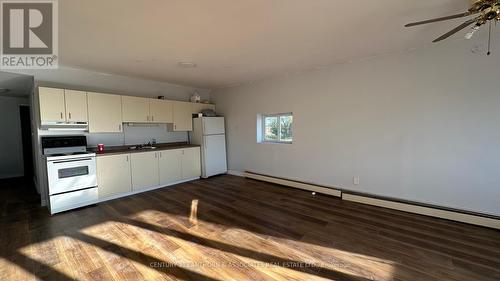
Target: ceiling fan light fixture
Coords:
[[485, 11]]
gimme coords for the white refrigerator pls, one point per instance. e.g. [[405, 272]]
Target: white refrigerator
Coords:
[[210, 134]]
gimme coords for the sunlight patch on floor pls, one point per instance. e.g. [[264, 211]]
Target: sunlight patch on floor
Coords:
[[166, 239], [381, 269], [49, 253], [12, 271], [193, 216]]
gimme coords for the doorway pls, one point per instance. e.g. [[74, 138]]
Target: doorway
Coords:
[[25, 115]]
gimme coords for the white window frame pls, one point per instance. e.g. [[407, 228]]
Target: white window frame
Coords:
[[263, 128]]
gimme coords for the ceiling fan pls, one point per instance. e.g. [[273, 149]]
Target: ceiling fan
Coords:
[[484, 11]]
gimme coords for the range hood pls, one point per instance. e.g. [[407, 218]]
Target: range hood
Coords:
[[65, 126]]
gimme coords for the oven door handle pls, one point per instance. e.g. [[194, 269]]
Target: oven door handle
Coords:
[[72, 160]]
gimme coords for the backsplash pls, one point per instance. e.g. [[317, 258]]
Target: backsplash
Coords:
[[137, 134], [132, 134]]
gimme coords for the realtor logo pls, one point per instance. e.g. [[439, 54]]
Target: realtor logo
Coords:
[[29, 34]]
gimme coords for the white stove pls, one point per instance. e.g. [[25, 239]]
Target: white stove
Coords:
[[71, 173]]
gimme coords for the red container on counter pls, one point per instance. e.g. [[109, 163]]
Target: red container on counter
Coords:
[[100, 147]]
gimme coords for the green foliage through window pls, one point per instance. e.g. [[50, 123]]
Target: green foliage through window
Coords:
[[278, 128]]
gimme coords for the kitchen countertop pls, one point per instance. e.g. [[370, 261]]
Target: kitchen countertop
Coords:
[[124, 149]]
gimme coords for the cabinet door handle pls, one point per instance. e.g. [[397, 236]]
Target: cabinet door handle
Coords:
[[61, 115], [70, 115], [152, 118], [156, 155], [175, 127], [160, 155], [127, 158]]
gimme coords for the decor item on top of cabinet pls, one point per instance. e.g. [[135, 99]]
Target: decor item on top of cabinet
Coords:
[[196, 98]]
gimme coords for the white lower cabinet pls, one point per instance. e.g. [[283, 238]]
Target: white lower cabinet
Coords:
[[179, 164], [170, 166], [113, 175], [145, 172], [122, 174], [191, 163]]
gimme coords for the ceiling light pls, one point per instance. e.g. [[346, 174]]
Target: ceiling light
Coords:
[[186, 64], [3, 90]]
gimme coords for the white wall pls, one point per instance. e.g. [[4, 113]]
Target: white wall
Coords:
[[421, 126], [11, 151]]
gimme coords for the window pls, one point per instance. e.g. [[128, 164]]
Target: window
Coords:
[[277, 128]]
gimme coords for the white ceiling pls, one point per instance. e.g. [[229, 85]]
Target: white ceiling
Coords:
[[18, 85], [235, 41]]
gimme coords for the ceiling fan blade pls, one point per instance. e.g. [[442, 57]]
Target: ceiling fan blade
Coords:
[[440, 19], [456, 29]]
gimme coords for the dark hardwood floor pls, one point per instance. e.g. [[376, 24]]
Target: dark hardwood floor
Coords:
[[231, 228]]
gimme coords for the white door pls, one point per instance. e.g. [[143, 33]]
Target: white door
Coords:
[[162, 111], [52, 107], [113, 175], [144, 170], [105, 113], [76, 106], [71, 174], [135, 109], [170, 166], [182, 116], [191, 164], [214, 155], [213, 126]]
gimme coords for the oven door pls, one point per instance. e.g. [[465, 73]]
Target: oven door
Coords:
[[71, 174]]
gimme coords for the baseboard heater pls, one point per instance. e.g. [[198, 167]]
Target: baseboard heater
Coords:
[[295, 184], [390, 203], [424, 209]]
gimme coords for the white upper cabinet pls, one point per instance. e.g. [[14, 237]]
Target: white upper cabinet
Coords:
[[145, 110], [52, 107], [135, 109], [199, 107], [76, 106], [183, 120], [105, 113], [59, 105], [161, 111]]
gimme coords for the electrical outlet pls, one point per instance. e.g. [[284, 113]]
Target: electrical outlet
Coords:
[[355, 180]]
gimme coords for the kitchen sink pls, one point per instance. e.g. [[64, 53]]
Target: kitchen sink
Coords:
[[141, 147]]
